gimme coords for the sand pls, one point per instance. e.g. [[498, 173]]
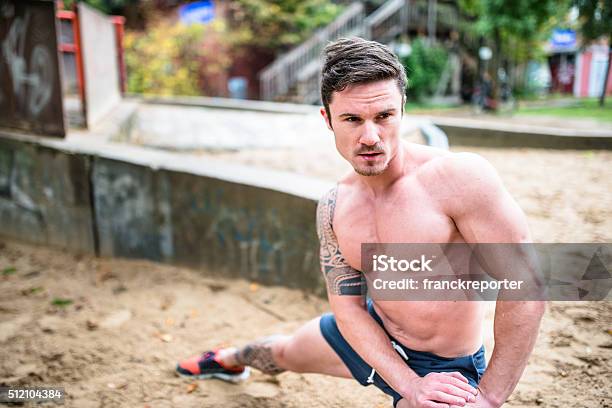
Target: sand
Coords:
[[129, 321]]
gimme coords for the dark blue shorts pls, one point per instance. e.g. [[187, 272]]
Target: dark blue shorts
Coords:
[[471, 366]]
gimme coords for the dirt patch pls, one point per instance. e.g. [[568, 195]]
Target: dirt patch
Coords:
[[110, 332]]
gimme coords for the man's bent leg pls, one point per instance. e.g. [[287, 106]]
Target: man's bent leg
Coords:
[[306, 351]]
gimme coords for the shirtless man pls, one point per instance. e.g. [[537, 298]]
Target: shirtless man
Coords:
[[423, 354]]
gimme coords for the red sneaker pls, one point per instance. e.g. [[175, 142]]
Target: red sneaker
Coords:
[[208, 366]]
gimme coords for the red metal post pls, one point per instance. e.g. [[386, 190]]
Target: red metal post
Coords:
[[119, 22], [76, 30]]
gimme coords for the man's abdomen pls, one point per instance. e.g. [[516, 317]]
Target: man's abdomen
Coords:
[[448, 329]]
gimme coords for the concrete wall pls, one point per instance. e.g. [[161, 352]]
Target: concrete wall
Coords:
[[470, 132], [466, 136], [126, 201], [45, 196], [232, 229]]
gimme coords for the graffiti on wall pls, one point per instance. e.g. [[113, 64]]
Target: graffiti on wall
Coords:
[[30, 91], [255, 234], [130, 210]]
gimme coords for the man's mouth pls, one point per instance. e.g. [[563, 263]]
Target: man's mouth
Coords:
[[370, 155]]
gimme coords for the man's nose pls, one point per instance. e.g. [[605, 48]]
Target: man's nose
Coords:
[[369, 135]]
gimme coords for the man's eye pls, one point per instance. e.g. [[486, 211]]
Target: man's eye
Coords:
[[352, 119], [384, 115]]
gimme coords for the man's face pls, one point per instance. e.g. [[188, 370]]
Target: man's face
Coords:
[[366, 122]]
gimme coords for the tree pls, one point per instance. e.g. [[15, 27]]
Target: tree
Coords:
[[105, 6], [278, 24], [514, 28], [424, 65], [595, 19]]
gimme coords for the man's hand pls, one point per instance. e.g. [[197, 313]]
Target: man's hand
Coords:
[[438, 390], [481, 402]]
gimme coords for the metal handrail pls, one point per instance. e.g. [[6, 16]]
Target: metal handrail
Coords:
[[282, 73], [298, 65]]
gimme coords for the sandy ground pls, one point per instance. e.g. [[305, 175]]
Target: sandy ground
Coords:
[[115, 344]]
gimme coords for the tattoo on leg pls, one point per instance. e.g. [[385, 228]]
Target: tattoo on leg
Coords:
[[259, 355]]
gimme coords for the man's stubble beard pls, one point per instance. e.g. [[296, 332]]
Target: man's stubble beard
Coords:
[[370, 171]]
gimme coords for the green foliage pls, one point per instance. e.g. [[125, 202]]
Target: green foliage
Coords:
[[424, 67], [587, 108], [515, 27], [522, 19], [275, 24], [9, 270], [61, 302], [595, 18], [105, 6], [174, 59]]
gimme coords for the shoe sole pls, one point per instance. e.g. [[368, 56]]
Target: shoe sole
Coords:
[[233, 378]]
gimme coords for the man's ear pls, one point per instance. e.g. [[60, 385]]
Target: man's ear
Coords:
[[327, 119]]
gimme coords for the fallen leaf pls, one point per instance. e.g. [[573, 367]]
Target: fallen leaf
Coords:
[[217, 287], [61, 302], [166, 302], [253, 287], [170, 321], [103, 273], [9, 270], [91, 325], [166, 338], [191, 387], [116, 386], [32, 291]]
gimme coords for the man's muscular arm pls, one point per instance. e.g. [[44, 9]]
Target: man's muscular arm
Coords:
[[484, 212], [346, 288]]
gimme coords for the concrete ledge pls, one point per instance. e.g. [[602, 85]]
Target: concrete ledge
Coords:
[[470, 132], [84, 193], [227, 103]]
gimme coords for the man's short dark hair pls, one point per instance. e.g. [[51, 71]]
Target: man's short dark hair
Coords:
[[351, 61]]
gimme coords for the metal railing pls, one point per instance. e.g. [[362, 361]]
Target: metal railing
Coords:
[[298, 71], [282, 74], [387, 21]]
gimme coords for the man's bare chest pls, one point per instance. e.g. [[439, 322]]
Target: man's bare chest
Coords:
[[399, 219]]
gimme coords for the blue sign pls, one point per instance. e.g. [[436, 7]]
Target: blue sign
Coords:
[[199, 12], [563, 39]]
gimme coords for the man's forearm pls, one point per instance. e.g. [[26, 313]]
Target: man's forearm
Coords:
[[516, 330], [369, 340]]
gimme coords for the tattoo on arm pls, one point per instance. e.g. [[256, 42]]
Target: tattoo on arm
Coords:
[[341, 278], [259, 355]]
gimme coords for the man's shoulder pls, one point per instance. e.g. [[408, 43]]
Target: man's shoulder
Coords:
[[460, 167]]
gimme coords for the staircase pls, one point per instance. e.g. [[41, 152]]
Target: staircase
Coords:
[[295, 76]]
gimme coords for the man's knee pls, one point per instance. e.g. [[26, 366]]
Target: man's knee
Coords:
[[288, 354], [280, 352]]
